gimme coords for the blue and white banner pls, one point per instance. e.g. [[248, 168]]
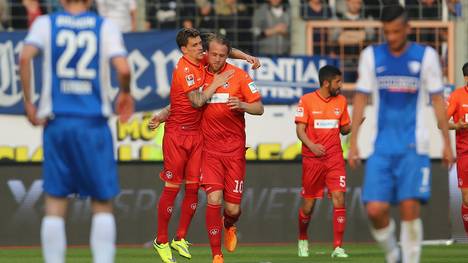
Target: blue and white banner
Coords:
[[152, 56]]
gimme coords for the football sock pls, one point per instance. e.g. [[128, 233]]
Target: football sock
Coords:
[[102, 238], [387, 241], [230, 220], [339, 225], [189, 206], [214, 228], [53, 239], [304, 221], [165, 207], [411, 236], [464, 213]]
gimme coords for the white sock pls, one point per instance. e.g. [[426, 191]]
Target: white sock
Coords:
[[103, 238], [53, 239], [387, 241], [411, 236]]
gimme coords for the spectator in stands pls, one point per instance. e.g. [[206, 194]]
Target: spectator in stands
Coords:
[[351, 40], [271, 27], [4, 14], [315, 10], [234, 22], [206, 21], [122, 12], [372, 8], [170, 14], [424, 9]]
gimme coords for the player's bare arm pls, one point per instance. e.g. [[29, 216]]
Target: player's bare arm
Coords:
[[198, 99], [317, 149], [439, 110], [254, 108], [359, 104], [124, 102], [159, 118], [27, 55]]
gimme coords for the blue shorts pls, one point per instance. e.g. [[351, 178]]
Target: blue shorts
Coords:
[[79, 158], [394, 178]]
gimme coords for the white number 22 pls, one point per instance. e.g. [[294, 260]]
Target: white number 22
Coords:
[[71, 42]]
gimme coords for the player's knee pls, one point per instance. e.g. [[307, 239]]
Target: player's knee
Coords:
[[232, 210], [375, 212], [215, 198]]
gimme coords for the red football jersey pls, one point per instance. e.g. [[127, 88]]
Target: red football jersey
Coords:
[[186, 77], [323, 118], [458, 109], [223, 128]]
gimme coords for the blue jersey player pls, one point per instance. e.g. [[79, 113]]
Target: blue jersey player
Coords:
[[77, 46], [400, 76]]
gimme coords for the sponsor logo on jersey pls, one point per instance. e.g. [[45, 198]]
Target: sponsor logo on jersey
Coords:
[[317, 112], [300, 112], [325, 124], [219, 98], [253, 87], [190, 79]]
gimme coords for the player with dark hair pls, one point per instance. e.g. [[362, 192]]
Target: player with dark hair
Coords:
[[320, 118], [401, 76]]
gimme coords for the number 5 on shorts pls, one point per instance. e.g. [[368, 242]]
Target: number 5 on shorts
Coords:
[[343, 181]]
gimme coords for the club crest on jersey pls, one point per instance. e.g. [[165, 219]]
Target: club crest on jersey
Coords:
[[190, 79], [414, 67], [337, 111], [226, 85], [186, 70]]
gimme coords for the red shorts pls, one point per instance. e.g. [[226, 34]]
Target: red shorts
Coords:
[[225, 173], [462, 171], [182, 157], [318, 173]]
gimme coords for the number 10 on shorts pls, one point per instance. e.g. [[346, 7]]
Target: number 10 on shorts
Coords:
[[239, 186]]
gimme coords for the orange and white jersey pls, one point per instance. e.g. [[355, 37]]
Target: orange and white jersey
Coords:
[[323, 118], [457, 109]]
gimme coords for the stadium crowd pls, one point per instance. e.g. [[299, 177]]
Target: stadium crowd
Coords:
[[257, 26]]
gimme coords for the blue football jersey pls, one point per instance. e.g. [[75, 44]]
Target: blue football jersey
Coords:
[[400, 88], [76, 52]]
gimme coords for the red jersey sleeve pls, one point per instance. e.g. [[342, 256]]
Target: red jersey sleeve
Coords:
[[248, 88], [452, 105], [302, 114], [345, 119], [186, 80]]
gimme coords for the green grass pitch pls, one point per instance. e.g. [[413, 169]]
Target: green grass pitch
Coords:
[[362, 253]]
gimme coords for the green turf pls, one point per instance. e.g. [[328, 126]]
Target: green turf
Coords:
[[362, 253]]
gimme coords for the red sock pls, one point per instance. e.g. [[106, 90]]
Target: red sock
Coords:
[[189, 206], [464, 212], [303, 225], [165, 207], [230, 220], [339, 225], [214, 228]]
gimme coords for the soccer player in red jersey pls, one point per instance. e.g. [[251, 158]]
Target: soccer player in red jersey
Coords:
[[223, 128], [458, 110], [183, 140], [320, 118]]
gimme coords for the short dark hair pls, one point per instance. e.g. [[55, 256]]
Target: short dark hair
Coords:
[[219, 39], [184, 35], [393, 12], [328, 73], [465, 69]]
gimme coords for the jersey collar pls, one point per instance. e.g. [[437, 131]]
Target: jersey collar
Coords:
[[326, 100]]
